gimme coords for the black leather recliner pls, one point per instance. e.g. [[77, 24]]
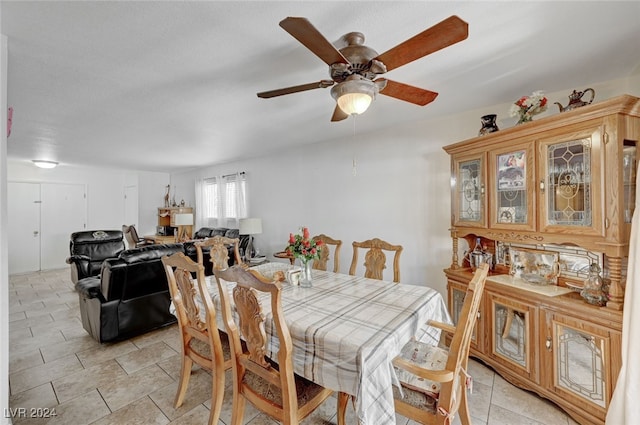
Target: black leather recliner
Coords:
[[89, 248], [131, 295]]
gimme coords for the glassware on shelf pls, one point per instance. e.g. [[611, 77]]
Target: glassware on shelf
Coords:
[[593, 290]]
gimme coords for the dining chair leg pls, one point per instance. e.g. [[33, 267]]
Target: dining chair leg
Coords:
[[217, 378], [343, 401], [238, 408], [185, 374], [463, 410]]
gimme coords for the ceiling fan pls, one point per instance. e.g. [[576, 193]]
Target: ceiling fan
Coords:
[[353, 67]]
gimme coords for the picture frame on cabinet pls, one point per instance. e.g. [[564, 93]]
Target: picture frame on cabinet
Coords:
[[506, 215], [512, 171]]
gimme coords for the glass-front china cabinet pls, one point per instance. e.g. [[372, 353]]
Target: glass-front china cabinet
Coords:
[[561, 189]]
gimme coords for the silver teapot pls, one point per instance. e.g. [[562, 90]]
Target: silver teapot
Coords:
[[575, 100]]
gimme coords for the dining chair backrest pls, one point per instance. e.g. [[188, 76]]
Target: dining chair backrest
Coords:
[[202, 343], [218, 250], [375, 259], [275, 390], [325, 253], [131, 236], [452, 379]]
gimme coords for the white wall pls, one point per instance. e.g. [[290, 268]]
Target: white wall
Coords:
[[105, 191], [400, 192], [4, 258]]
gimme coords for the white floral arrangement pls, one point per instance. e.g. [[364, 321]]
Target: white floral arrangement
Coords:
[[528, 106]]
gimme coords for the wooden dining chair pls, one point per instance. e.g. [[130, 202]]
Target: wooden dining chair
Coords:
[[133, 240], [202, 343], [270, 386], [375, 259], [325, 253], [434, 380], [218, 250]]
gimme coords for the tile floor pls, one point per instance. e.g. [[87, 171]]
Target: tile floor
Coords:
[[55, 364]]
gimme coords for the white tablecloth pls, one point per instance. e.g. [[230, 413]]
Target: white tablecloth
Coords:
[[346, 330]]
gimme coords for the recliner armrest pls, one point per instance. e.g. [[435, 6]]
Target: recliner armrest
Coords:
[[77, 257], [90, 288]]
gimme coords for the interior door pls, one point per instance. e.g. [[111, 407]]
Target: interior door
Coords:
[[131, 206], [24, 226], [63, 211]]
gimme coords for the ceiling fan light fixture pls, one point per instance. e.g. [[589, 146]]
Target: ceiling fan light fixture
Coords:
[[44, 164], [354, 95]]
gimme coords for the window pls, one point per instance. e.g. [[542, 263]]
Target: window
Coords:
[[224, 199]]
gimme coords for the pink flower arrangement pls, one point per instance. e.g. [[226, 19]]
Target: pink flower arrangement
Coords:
[[528, 106], [303, 246]]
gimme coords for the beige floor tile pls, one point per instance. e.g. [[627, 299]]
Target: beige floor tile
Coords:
[[172, 366], [26, 322], [123, 390], [198, 391], [66, 347], [140, 412], [85, 380], [522, 402], [162, 334], [104, 352], [25, 361], [82, 410], [34, 376], [143, 357], [20, 315], [502, 416], [38, 397], [15, 335], [197, 415], [23, 345]]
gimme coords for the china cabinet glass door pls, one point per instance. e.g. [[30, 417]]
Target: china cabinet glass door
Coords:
[[571, 196], [512, 339], [469, 193], [579, 356], [512, 182]]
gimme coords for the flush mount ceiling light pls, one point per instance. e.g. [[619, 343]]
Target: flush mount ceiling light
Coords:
[[44, 164]]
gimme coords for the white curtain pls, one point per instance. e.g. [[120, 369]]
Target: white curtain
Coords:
[[221, 201], [624, 407], [241, 199], [201, 210]]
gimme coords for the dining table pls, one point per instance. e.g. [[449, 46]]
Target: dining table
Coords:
[[346, 330]]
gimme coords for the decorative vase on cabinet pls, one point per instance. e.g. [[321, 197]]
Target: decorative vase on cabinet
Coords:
[[488, 124]]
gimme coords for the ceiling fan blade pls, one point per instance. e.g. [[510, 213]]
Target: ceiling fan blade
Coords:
[[303, 31], [450, 31], [338, 114], [408, 93], [295, 89]]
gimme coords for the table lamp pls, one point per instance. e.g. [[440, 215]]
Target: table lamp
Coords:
[[250, 226], [182, 221]]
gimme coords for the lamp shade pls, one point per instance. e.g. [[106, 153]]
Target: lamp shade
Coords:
[[354, 103], [250, 226], [183, 219], [354, 95]]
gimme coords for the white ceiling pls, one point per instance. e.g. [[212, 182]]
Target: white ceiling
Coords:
[[162, 86]]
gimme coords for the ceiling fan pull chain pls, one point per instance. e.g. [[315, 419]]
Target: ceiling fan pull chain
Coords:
[[354, 164]]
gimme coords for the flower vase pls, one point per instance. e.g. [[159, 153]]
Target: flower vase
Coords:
[[524, 118], [305, 273], [488, 124]]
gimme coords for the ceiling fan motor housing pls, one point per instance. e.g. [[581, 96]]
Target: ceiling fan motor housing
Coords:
[[360, 57]]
